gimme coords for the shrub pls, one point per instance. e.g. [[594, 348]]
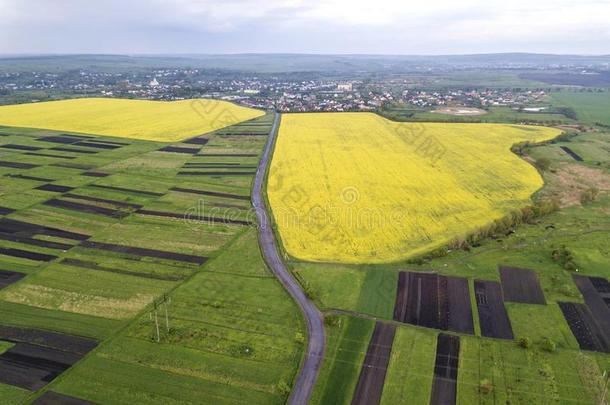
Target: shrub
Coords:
[[589, 195], [543, 164], [564, 257], [548, 345], [332, 320], [485, 386], [525, 342], [283, 388]]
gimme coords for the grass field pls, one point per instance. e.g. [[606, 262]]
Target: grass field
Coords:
[[136, 119], [590, 107], [351, 187], [100, 228]]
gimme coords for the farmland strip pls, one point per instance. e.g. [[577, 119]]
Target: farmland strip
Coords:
[[24, 177], [54, 188], [74, 150], [63, 139], [102, 200], [570, 152], [159, 254], [97, 145], [197, 217], [24, 254], [521, 285], [227, 155], [444, 384], [17, 165], [95, 174], [492, 313], [596, 304], [94, 266], [211, 193], [175, 149], [249, 173], [373, 372], [14, 226], [34, 242], [587, 333], [127, 190], [85, 208], [54, 398], [196, 141], [9, 277], [20, 147], [6, 211], [80, 166], [49, 155]]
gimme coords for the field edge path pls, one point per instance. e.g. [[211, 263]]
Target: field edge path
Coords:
[[308, 374]]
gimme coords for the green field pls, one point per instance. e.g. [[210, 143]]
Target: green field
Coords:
[[230, 331], [591, 107]]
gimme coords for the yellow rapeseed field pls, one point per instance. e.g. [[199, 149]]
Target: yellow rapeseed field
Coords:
[[357, 188], [138, 119]]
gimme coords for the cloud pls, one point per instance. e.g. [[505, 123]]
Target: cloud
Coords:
[[330, 26]]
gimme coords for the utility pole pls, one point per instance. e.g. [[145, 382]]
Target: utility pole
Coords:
[[166, 301], [606, 377], [156, 321]]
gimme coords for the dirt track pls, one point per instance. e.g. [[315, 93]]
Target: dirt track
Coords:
[[301, 392]]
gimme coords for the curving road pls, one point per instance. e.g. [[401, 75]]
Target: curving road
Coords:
[[308, 374]]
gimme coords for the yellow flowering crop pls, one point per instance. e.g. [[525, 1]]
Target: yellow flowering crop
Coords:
[[138, 119], [357, 188]]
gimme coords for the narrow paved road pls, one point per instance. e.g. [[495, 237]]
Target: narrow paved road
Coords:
[[301, 392]]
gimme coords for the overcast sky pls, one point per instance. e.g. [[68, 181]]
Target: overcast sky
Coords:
[[305, 26]]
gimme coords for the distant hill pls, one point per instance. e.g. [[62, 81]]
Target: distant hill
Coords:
[[283, 63]]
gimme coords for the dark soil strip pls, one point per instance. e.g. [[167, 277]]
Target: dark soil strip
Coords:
[[570, 152], [583, 327], [444, 384], [32, 363], [460, 309], [373, 372], [211, 193], [9, 277], [120, 204], [49, 155], [196, 141], [110, 142], [210, 164], [6, 211], [127, 190], [27, 229], [493, 317], [24, 177], [228, 155], [20, 147], [74, 150], [94, 266], [97, 145], [34, 242], [60, 341], [433, 301], [53, 398], [79, 166], [159, 254], [17, 165], [60, 139], [250, 173], [596, 303], [521, 285], [87, 209], [198, 218], [95, 174], [55, 188], [174, 149], [24, 254]]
